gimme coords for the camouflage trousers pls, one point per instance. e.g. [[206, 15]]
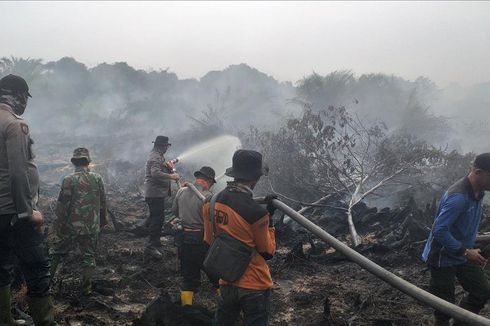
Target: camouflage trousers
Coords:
[[87, 244]]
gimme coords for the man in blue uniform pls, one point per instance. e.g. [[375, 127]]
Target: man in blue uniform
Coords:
[[450, 251]]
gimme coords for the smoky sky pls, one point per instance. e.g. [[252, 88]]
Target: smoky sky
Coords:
[[445, 41]]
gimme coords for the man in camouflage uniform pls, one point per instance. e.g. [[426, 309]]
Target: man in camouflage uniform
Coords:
[[157, 187], [81, 211], [20, 222], [188, 207]]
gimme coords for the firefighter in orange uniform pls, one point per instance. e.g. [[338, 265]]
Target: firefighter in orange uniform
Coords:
[[237, 214]]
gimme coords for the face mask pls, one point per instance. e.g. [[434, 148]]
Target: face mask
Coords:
[[17, 102], [21, 104]]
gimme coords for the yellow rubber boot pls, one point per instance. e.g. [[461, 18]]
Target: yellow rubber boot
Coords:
[[186, 298]]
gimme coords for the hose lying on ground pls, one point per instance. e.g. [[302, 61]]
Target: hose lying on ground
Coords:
[[390, 278], [378, 271]]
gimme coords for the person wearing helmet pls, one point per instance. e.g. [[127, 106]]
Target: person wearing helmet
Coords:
[[20, 221]]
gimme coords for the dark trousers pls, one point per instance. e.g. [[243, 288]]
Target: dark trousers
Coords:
[[192, 254], [157, 213], [472, 279], [23, 241], [255, 305]]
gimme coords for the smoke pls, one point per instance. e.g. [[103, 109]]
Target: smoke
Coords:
[[117, 111]]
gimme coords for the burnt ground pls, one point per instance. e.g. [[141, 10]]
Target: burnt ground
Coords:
[[313, 285]]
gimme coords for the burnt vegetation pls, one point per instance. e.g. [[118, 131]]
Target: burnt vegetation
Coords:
[[366, 158]]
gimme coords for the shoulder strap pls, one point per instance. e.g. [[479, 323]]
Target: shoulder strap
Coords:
[[212, 216]]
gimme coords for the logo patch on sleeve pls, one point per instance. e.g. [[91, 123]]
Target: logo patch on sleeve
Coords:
[[25, 128]]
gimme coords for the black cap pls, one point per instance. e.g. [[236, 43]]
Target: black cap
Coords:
[[161, 140], [206, 172], [247, 165], [482, 161], [15, 83]]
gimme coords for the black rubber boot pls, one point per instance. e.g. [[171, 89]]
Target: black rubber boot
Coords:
[[5, 312], [42, 311], [466, 305], [87, 281]]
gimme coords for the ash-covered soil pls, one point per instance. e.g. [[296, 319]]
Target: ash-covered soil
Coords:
[[313, 285]]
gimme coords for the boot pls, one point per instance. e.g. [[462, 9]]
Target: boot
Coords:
[[5, 312], [186, 298], [42, 311], [465, 305], [87, 281]]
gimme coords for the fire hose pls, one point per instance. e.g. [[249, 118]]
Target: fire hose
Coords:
[[390, 278], [378, 271], [171, 166]]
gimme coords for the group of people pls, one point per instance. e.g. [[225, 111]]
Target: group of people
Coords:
[[81, 212], [227, 234], [236, 214]]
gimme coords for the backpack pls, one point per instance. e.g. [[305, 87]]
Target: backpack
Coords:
[[227, 258]]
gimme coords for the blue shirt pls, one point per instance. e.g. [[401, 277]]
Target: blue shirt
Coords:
[[455, 226]]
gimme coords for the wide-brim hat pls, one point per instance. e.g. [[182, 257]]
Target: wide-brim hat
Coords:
[[161, 140], [206, 172], [247, 165], [81, 153], [15, 83]]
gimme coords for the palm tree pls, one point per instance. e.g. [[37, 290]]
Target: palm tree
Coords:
[[27, 68]]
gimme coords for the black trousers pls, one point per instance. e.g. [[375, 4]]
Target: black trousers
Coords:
[[23, 241], [157, 214], [255, 305], [192, 254], [471, 277]]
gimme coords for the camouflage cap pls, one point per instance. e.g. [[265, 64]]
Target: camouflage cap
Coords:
[[81, 153]]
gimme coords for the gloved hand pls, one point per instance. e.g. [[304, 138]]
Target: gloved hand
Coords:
[[270, 207]]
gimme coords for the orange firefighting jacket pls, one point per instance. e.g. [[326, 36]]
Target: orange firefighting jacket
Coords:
[[237, 214]]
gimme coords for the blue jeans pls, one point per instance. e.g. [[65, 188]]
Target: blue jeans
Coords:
[[255, 305]]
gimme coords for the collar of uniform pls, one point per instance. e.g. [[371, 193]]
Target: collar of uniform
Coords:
[[82, 169], [7, 107], [14, 102], [235, 186]]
